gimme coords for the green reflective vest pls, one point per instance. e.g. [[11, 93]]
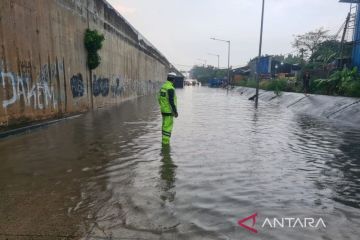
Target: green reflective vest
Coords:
[[163, 97]]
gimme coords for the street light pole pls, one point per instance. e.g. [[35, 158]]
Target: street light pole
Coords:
[[229, 43], [229, 63], [259, 56]]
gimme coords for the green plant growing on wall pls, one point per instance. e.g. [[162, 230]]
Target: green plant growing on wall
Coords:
[[93, 43]]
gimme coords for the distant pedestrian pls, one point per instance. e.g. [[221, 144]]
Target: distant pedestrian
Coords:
[[168, 102], [306, 82]]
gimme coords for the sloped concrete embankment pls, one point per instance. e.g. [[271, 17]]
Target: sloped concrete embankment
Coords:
[[343, 109]]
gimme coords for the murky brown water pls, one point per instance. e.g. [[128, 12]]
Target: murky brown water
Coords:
[[105, 176]]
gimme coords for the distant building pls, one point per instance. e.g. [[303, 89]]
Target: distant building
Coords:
[[356, 37], [179, 79], [240, 74], [269, 68]]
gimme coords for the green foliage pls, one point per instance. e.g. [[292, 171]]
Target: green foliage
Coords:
[[293, 59], [345, 82], [246, 83], [280, 58], [93, 43], [326, 51], [353, 89], [312, 66], [320, 50], [203, 74], [250, 83], [276, 85], [350, 83]]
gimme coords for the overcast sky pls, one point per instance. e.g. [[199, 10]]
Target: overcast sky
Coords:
[[181, 29]]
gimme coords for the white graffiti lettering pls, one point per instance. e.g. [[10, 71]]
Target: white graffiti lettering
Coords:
[[42, 93], [4, 77]]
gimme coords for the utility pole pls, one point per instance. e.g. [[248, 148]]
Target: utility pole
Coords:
[[343, 40], [229, 82], [259, 56]]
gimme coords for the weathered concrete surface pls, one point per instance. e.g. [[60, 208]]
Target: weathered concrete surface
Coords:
[[343, 109], [43, 72]]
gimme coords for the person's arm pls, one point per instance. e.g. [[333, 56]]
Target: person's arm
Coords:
[[171, 94]]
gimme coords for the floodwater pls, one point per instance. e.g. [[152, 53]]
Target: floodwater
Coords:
[[104, 175]]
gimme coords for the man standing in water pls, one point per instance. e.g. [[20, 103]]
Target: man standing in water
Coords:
[[167, 101]]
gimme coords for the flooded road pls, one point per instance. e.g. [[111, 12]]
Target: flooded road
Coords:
[[105, 175]]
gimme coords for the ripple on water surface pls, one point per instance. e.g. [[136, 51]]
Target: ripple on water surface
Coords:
[[226, 162]]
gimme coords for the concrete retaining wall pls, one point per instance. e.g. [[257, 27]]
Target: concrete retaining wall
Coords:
[[43, 71], [344, 109]]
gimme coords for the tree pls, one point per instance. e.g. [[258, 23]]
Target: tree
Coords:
[[309, 42], [203, 74], [293, 59], [330, 48], [290, 59], [279, 58], [326, 51]]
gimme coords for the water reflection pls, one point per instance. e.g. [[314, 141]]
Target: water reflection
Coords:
[[334, 151], [347, 162], [167, 174]]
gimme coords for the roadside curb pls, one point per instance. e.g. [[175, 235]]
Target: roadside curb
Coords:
[[34, 126]]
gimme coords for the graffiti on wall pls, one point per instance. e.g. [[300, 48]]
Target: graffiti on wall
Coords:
[[121, 86], [101, 86], [48, 72], [38, 94], [77, 85], [118, 88]]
